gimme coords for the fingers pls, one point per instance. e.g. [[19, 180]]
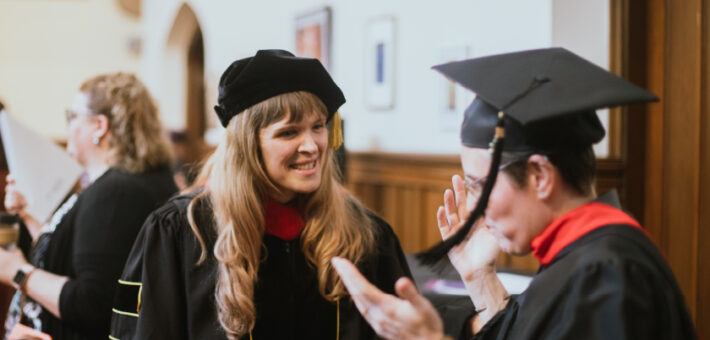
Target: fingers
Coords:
[[449, 216], [14, 201], [353, 280], [460, 193], [444, 226], [452, 214], [357, 285], [406, 289], [368, 299]]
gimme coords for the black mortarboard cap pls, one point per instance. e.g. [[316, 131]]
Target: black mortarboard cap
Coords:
[[539, 100], [269, 73]]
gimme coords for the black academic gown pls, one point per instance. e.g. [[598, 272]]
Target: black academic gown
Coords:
[[165, 295], [611, 283], [90, 246]]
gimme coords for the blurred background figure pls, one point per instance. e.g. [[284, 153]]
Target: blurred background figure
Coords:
[[184, 169], [115, 134]]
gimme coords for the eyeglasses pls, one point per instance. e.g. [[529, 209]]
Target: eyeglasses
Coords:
[[71, 115], [475, 187]]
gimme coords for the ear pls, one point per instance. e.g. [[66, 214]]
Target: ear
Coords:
[[542, 175], [100, 126]]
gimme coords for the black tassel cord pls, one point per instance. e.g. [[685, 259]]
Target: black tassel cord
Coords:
[[433, 255]]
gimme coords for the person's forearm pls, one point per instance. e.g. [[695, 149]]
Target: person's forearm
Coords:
[[45, 288], [487, 294]]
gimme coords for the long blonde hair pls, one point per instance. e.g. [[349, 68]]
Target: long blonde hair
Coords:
[[237, 186], [138, 142]]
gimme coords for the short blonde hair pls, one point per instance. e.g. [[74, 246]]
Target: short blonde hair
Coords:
[[138, 142]]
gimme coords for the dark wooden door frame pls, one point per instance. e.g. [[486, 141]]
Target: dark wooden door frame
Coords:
[[663, 45]]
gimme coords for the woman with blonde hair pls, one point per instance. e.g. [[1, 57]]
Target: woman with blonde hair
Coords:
[[67, 287], [247, 255]]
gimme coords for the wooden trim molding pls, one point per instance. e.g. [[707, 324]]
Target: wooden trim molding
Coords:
[[407, 189], [618, 64]]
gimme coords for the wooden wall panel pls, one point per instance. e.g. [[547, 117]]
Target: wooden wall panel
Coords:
[[410, 213], [654, 33], [703, 266], [668, 45], [406, 190], [681, 117]]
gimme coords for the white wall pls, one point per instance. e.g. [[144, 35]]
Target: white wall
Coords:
[[236, 29], [47, 48], [582, 26]]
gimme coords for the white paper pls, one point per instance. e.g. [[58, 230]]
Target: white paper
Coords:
[[513, 283], [44, 173]]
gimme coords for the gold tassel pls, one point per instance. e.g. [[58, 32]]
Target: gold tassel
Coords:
[[336, 132]]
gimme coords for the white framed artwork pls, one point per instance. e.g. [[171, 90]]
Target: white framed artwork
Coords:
[[313, 35], [379, 63]]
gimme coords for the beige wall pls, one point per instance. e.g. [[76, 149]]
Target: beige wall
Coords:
[[47, 48], [237, 28], [582, 26]]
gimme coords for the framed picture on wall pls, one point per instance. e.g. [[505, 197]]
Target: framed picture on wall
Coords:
[[379, 63], [313, 35]]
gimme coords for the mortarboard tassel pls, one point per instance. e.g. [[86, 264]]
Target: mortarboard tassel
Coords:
[[434, 254], [336, 131]]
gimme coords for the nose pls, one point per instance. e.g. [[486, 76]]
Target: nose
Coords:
[[308, 144]]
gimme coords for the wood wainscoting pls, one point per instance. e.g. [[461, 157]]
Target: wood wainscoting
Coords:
[[406, 190]]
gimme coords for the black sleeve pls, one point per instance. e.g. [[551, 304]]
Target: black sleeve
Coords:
[[388, 263], [150, 301], [622, 300], [382, 268], [106, 225], [24, 242], [497, 325], [601, 301]]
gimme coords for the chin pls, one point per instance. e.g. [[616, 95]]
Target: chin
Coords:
[[307, 189], [519, 252], [509, 247]]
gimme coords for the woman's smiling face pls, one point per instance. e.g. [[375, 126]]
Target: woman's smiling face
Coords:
[[293, 154]]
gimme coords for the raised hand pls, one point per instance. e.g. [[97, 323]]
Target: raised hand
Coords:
[[15, 203], [409, 316], [479, 252], [14, 200]]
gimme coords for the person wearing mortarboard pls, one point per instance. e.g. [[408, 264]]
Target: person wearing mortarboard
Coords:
[[529, 187], [247, 254]]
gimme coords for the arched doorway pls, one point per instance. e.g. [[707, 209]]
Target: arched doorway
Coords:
[[184, 86]]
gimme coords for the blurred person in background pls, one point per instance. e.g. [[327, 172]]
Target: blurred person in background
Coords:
[[114, 132]]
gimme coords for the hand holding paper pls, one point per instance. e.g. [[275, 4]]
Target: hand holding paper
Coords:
[[28, 155]]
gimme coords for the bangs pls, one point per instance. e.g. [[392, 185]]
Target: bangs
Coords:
[[297, 105]]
